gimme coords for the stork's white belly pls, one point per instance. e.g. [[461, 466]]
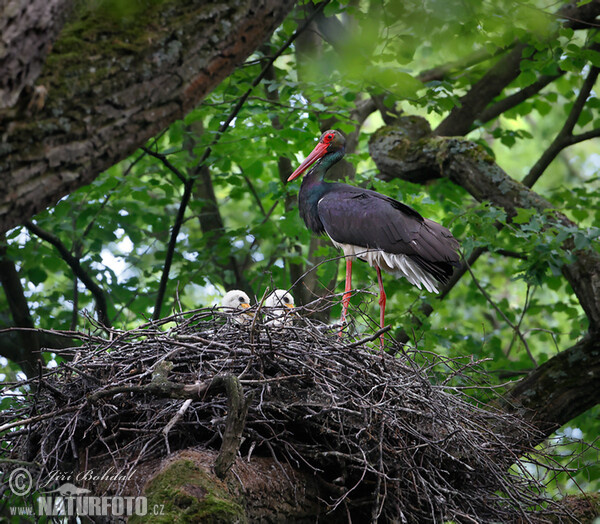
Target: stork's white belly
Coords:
[[397, 265]]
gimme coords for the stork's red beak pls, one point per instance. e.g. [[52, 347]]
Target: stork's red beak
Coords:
[[319, 151]]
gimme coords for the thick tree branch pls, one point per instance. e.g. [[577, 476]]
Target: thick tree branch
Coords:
[[77, 269], [461, 118], [561, 388], [467, 164], [125, 84], [443, 71], [237, 410]]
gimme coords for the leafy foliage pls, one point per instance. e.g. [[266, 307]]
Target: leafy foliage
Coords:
[[241, 228]]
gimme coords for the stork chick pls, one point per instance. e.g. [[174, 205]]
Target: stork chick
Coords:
[[280, 305], [237, 303]]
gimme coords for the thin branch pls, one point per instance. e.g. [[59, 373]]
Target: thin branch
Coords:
[[501, 313], [565, 135], [254, 193], [528, 297], [189, 183], [493, 111], [109, 195], [582, 137], [163, 158], [164, 279], [76, 267]]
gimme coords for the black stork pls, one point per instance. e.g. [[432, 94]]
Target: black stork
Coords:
[[387, 234]]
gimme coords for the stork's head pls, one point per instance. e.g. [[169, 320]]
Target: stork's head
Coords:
[[237, 300], [330, 142], [280, 298]]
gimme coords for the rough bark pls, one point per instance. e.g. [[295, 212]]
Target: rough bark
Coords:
[[407, 151], [561, 388], [127, 80], [27, 31]]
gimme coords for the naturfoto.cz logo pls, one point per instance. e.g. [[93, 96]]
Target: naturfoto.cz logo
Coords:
[[68, 500]]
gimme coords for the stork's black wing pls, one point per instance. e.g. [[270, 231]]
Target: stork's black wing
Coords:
[[364, 218]]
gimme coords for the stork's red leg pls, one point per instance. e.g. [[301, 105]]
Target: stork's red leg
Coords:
[[346, 297], [382, 300]]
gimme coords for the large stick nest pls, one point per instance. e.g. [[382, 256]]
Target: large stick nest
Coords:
[[402, 438]]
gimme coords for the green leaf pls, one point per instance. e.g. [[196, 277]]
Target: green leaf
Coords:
[[37, 275]]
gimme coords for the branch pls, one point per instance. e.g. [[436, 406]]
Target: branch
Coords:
[[197, 169], [164, 278], [493, 111], [77, 269], [468, 165], [514, 327], [237, 410], [461, 118], [442, 71], [167, 163], [27, 353], [564, 137], [242, 100], [548, 402]]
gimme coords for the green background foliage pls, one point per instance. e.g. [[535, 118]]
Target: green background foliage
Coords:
[[119, 226]]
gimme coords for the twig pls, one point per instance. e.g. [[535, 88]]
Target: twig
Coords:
[[370, 338], [501, 313], [178, 416], [77, 269]]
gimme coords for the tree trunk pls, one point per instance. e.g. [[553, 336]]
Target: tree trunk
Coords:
[[27, 31], [112, 83]]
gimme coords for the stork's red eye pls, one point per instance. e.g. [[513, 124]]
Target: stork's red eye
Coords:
[[329, 137]]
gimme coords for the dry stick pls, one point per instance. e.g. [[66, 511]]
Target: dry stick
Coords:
[[189, 182], [370, 338], [31, 420], [77, 269], [178, 416]]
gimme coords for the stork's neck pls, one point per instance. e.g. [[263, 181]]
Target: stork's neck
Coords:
[[313, 188], [317, 172]]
